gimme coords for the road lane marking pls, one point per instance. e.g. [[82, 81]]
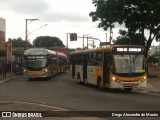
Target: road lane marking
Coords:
[[38, 104], [3, 81]]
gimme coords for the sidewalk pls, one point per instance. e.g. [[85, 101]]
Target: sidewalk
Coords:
[[154, 80], [10, 75]]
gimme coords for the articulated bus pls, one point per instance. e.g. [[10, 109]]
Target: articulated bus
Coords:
[[115, 66], [40, 62]]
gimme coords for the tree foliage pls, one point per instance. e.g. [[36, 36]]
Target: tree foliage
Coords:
[[152, 59], [47, 41], [18, 42], [136, 15], [124, 39]]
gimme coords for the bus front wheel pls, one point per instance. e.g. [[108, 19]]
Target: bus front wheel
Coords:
[[128, 89], [79, 79], [100, 84]]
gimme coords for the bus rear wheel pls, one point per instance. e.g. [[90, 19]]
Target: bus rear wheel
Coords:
[[128, 89], [30, 78]]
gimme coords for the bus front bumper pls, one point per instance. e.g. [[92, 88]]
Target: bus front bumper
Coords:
[[129, 84], [36, 75]]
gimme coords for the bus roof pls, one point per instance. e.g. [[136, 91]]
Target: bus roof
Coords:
[[109, 48], [38, 51], [61, 54]]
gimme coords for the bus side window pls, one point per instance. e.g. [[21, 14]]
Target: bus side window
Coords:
[[91, 60], [49, 61], [95, 59], [55, 61], [77, 60], [99, 58]]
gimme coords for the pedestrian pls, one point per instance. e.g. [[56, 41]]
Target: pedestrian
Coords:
[[16, 69], [1, 70], [156, 65], [4, 70]]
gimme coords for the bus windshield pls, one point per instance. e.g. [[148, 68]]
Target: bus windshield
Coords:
[[129, 63], [35, 62]]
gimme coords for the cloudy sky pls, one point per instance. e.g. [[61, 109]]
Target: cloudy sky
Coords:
[[61, 17]]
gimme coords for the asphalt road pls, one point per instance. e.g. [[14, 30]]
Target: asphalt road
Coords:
[[63, 93]]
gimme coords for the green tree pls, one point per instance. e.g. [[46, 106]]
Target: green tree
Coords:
[[124, 39], [18, 42], [152, 59], [137, 16], [47, 41]]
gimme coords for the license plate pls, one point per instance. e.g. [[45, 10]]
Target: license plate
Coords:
[[129, 84]]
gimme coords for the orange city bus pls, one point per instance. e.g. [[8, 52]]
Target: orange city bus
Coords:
[[40, 62], [114, 66]]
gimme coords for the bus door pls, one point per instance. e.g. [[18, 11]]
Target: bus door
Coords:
[[85, 62], [106, 68], [60, 65], [73, 66]]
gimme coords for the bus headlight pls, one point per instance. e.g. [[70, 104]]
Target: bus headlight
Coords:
[[25, 70], [113, 78], [45, 70], [145, 78]]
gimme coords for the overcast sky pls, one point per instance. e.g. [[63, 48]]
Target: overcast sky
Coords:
[[61, 17]]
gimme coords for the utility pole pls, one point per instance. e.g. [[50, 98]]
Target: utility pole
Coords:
[[111, 32], [87, 41], [26, 31], [93, 43], [87, 37], [106, 37], [67, 41], [67, 45], [83, 42]]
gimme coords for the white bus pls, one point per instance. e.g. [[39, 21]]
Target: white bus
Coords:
[[39, 62], [111, 67]]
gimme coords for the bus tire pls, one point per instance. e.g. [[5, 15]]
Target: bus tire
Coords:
[[79, 78], [128, 89], [30, 78], [100, 84]]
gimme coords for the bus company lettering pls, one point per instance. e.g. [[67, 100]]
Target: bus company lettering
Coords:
[[27, 114], [34, 115]]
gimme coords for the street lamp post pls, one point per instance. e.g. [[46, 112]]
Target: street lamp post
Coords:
[[37, 29], [111, 34], [26, 31]]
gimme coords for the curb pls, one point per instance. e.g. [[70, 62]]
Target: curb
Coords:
[[8, 79]]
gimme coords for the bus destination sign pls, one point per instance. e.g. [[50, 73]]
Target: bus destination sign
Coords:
[[129, 49]]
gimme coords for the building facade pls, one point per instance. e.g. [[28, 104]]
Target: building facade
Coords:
[[2, 40], [2, 34]]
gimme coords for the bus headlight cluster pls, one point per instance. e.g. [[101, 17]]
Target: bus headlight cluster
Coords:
[[113, 78], [25, 70], [144, 79], [45, 70]]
